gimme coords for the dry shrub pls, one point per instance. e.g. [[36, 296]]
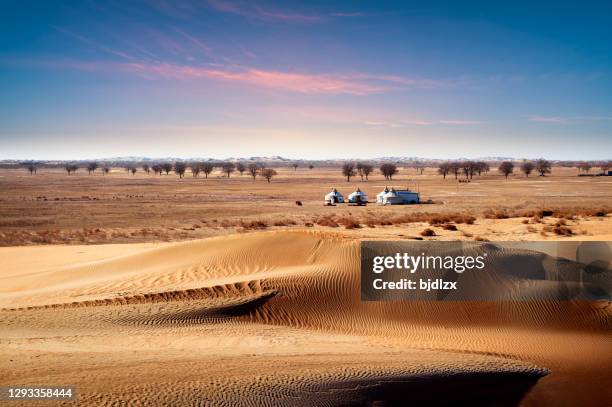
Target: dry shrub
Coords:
[[525, 221], [449, 226], [253, 224], [349, 222], [327, 221], [308, 224], [427, 232], [562, 231], [496, 214]]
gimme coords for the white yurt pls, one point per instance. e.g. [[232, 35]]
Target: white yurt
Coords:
[[334, 197], [379, 197], [358, 197]]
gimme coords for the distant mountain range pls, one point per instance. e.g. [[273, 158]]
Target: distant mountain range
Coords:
[[272, 161]]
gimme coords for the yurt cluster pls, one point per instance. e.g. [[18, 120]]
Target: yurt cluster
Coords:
[[388, 196]]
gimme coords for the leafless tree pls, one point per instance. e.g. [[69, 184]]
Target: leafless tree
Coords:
[[295, 166], [388, 170], [444, 168], [366, 170], [310, 167], [506, 168], [207, 168], [133, 170], [543, 167], [348, 170], [527, 167], [31, 167], [179, 168], [146, 168], [455, 168], [481, 167], [419, 167], [228, 168], [71, 168], [195, 169], [253, 170], [105, 170], [267, 173], [241, 168], [585, 166], [92, 167], [157, 169], [167, 167]]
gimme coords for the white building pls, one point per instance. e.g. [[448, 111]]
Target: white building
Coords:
[[397, 197]]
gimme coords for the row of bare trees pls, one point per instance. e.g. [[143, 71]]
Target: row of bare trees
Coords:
[[180, 168]]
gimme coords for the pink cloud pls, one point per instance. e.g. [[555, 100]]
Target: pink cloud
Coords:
[[357, 84]]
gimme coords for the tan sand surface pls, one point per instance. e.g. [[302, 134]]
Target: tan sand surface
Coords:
[[275, 318]]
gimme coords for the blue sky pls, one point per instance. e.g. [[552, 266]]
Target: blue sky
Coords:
[[221, 78]]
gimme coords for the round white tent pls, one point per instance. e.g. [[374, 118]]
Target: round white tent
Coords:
[[334, 197], [358, 197]]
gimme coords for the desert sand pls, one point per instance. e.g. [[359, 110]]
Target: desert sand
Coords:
[[275, 318]]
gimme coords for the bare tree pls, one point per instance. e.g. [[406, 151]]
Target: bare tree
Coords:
[[481, 167], [241, 168], [295, 166], [267, 173], [444, 168], [228, 167], [310, 167], [92, 167], [207, 168], [195, 169], [31, 167], [543, 167], [506, 168], [133, 170], [348, 170], [527, 167], [167, 167], [105, 170], [366, 170], [146, 168], [455, 168], [157, 169], [388, 170], [585, 166], [71, 168], [179, 168], [253, 169], [419, 167]]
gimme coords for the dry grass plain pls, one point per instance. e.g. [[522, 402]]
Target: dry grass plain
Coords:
[[52, 207], [247, 316]]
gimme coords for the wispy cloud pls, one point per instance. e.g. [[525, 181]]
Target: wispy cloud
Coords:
[[461, 122], [352, 83], [568, 119], [254, 11], [416, 122]]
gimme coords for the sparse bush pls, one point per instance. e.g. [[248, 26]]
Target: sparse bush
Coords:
[[427, 232]]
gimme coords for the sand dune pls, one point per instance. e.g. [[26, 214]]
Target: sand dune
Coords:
[[276, 318]]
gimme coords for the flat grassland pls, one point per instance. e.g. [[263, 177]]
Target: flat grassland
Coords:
[[52, 207], [230, 293]]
